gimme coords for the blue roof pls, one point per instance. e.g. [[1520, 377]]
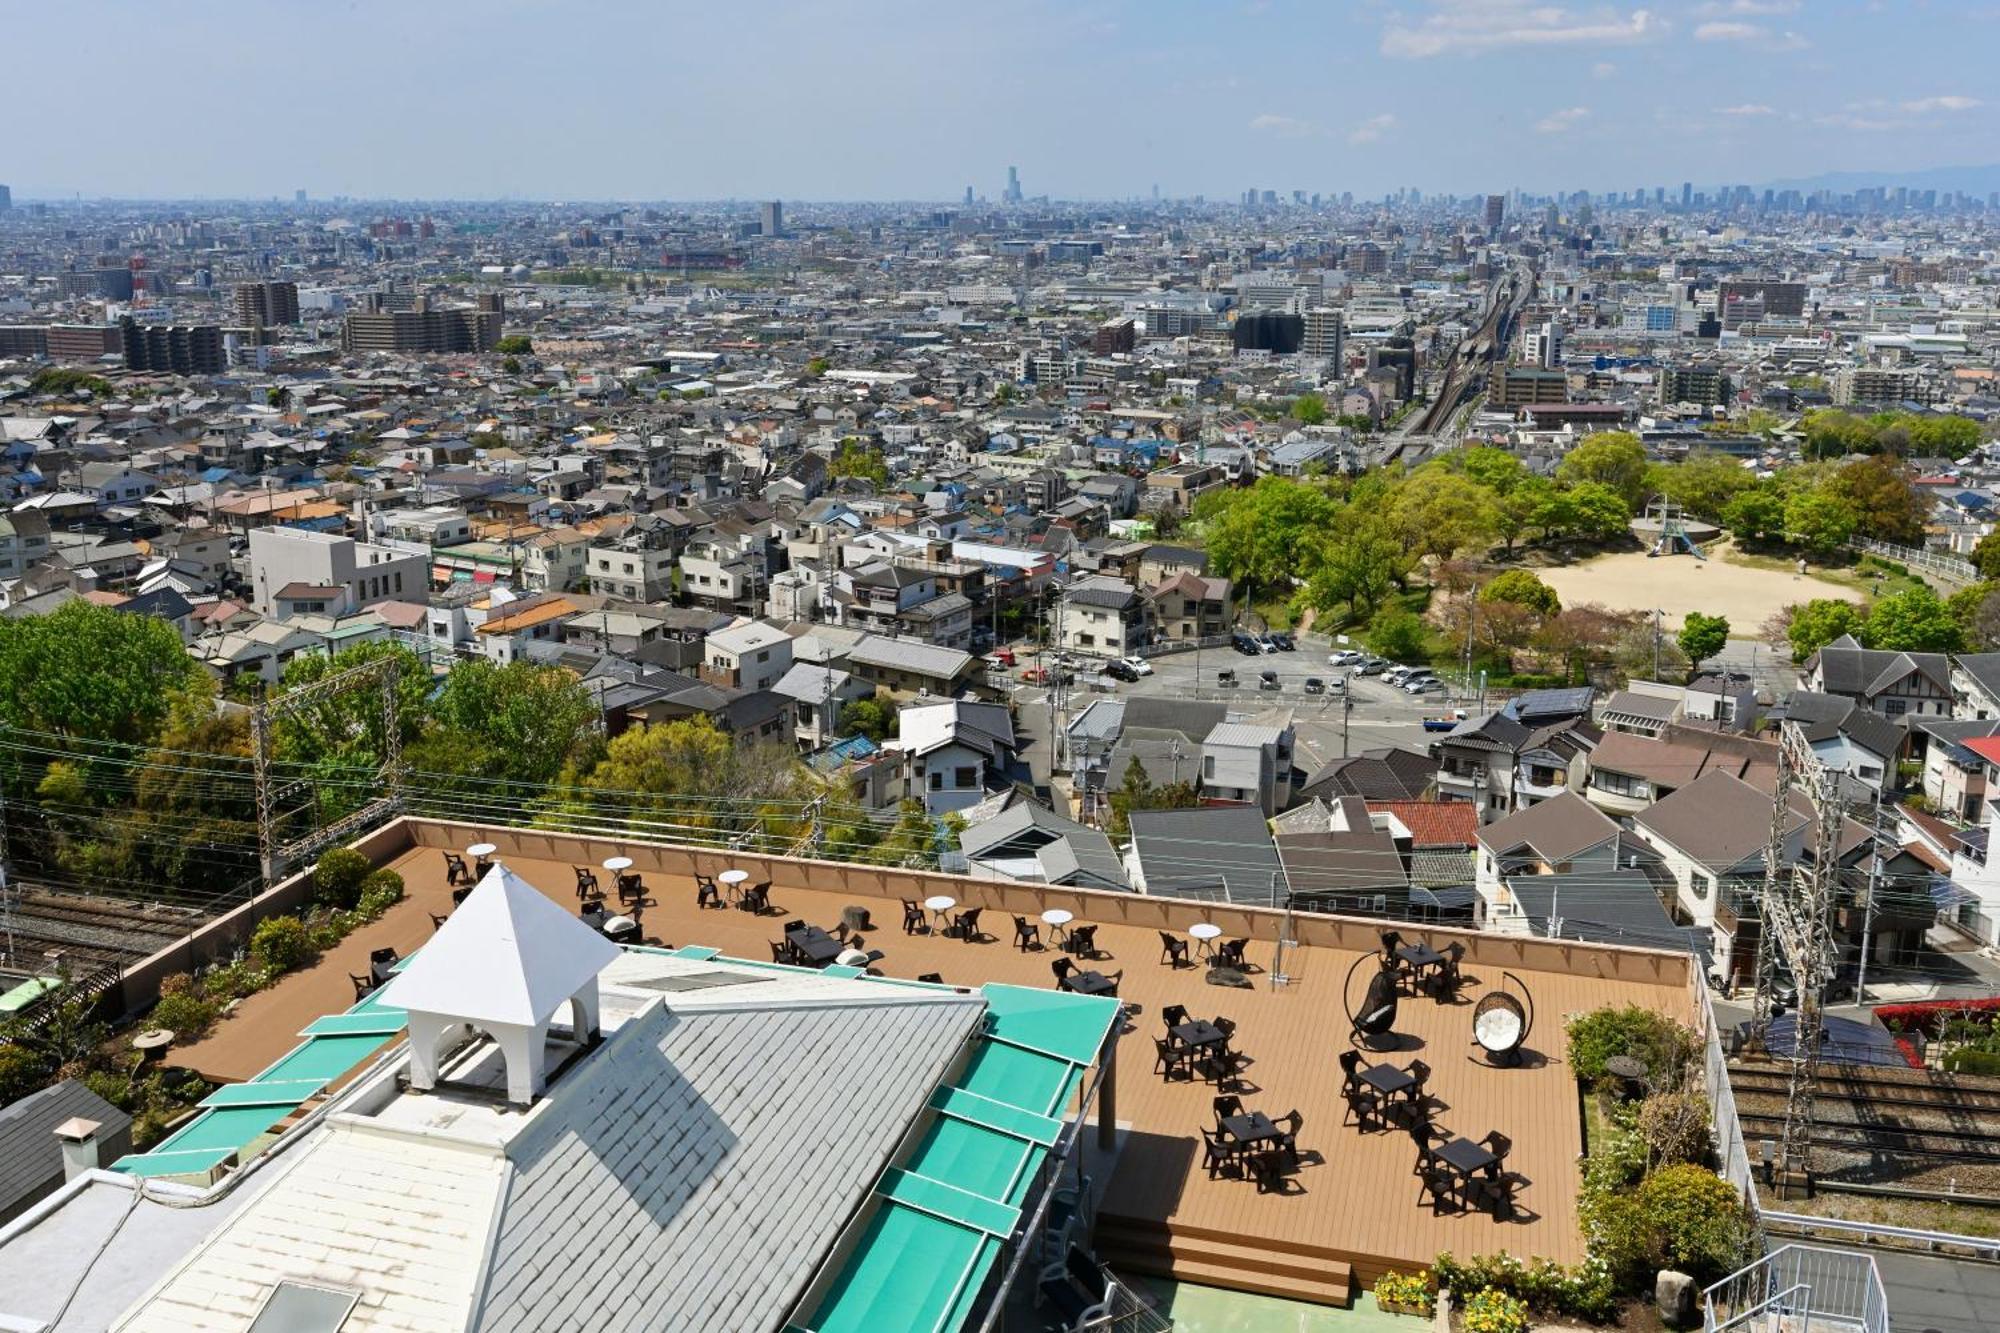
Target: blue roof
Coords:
[[1843, 1040], [1575, 699]]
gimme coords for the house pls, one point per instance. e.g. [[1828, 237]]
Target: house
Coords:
[[1501, 763], [1025, 841], [905, 668], [1248, 764], [954, 752], [1629, 770], [749, 655], [1896, 685], [1357, 864], [54, 1135], [1975, 685], [503, 636], [1954, 772], [1102, 617], [364, 572], [636, 564], [820, 696], [1387, 773], [1564, 835], [1188, 606], [1220, 853], [1849, 738]]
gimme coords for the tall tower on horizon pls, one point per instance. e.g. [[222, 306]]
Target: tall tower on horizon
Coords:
[[1013, 195]]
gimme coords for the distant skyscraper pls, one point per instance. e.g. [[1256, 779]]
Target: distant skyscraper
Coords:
[[771, 219], [6, 197], [968, 196], [1013, 195], [267, 303], [1687, 193], [1496, 211], [298, 196]]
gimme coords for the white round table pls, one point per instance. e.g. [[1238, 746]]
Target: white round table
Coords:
[[1205, 934], [1057, 919], [732, 877], [617, 863], [938, 906], [479, 849]]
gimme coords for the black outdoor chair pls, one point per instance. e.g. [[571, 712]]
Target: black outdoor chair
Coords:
[[781, 951], [1227, 1027], [1420, 1089], [1026, 936], [1437, 1179], [1267, 1167], [1083, 941], [1230, 955], [1444, 978], [1351, 1085], [1225, 1106], [362, 986], [913, 918], [460, 895], [1391, 941], [1173, 1016], [757, 898], [1170, 1058], [707, 893], [454, 869], [1428, 1138], [1292, 1122], [1499, 1145], [1218, 1154], [965, 925], [437, 919], [480, 868], [586, 882], [1062, 967], [794, 924], [1173, 952], [631, 888]]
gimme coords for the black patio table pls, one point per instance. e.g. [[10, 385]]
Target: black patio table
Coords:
[[814, 944], [1387, 1079], [1419, 956], [1465, 1157], [1089, 983], [1200, 1032], [1251, 1127]]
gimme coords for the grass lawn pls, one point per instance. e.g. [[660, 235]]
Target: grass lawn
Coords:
[[1869, 575]]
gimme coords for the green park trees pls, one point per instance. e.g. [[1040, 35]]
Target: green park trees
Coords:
[[1702, 636]]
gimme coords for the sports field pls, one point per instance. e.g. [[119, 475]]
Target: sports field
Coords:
[[1678, 584]]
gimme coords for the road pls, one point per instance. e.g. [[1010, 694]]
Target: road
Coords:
[[1479, 349]]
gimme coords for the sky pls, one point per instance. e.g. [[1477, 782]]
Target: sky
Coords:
[[916, 99]]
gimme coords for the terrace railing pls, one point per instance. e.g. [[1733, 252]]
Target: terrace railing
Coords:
[[1930, 562], [1800, 1287], [1735, 1164]]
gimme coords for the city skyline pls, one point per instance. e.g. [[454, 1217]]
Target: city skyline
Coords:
[[897, 102]]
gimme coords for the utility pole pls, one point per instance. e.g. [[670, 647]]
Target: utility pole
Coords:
[[1656, 645], [1868, 904], [1346, 708]]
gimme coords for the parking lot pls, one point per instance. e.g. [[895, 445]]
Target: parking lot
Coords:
[[1381, 715]]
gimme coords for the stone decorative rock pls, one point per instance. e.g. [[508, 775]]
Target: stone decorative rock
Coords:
[[1675, 1294]]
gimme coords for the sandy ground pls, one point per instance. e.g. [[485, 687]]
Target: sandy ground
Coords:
[[1678, 584]]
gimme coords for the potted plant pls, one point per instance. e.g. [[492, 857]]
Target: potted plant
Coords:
[[1404, 1293]]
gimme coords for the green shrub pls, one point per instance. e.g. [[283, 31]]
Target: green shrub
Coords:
[[21, 1072], [1967, 1060], [176, 984], [280, 943], [338, 876], [1494, 1311], [233, 981], [1674, 1126], [382, 890], [1697, 1220], [113, 1087], [186, 1014], [1583, 1292], [1658, 1042]]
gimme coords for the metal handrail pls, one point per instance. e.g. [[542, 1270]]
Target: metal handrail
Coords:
[[1710, 1326], [1983, 1246]]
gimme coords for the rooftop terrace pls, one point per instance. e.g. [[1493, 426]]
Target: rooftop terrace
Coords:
[[1349, 1209]]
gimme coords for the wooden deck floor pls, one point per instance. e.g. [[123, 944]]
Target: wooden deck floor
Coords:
[[1353, 1195]]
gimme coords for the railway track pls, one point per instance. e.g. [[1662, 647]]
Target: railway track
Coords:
[[1978, 1148], [1846, 1087], [93, 932]]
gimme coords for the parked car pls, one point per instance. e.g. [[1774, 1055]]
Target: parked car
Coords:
[[1266, 644], [1139, 665], [1245, 644], [1314, 685], [1003, 658], [1423, 685], [1267, 680], [1347, 657], [1371, 666], [1226, 679], [1284, 642], [1449, 722], [1118, 669], [1396, 675], [1336, 685], [1040, 675]]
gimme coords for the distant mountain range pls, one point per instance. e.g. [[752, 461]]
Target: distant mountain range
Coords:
[[1979, 181]]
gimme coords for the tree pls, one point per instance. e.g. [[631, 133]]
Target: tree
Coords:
[[521, 722], [1912, 621], [1702, 636], [1755, 515], [1397, 634], [1598, 512], [818, 366], [1818, 623], [1518, 508], [1613, 458], [1986, 555], [1309, 409], [67, 382], [1821, 520], [869, 717], [857, 458], [510, 365], [1442, 512], [1498, 470], [1358, 565], [1522, 588], [1265, 536], [1886, 506], [685, 774], [1137, 791], [515, 344], [91, 672], [1705, 484]]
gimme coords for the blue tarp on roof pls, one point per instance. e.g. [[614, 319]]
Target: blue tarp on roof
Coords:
[[1843, 1040]]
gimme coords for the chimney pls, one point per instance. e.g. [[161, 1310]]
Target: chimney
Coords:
[[79, 1146]]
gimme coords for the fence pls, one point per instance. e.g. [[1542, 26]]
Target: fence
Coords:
[[1129, 1313], [1929, 562], [1800, 1286], [1729, 1146], [1877, 1236]]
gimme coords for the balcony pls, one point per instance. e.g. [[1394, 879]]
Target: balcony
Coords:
[[1538, 784]]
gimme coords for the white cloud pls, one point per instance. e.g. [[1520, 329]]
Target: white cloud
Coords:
[[1749, 109], [1562, 122], [1371, 129], [1754, 7], [1603, 69], [1730, 32], [1289, 126], [1469, 26], [1948, 102]]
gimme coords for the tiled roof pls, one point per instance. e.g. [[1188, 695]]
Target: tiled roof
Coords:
[[1434, 824]]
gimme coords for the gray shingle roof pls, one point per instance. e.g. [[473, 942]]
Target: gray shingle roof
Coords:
[[30, 1158], [1221, 852]]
